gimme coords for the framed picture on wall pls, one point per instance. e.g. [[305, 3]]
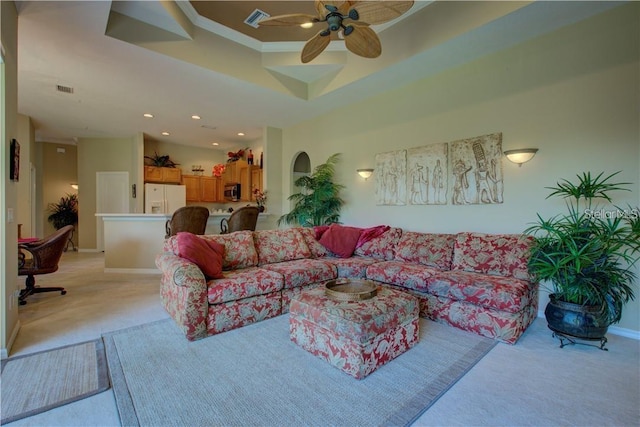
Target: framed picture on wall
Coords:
[[14, 168]]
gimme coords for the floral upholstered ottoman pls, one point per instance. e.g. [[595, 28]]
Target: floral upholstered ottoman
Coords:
[[356, 337]]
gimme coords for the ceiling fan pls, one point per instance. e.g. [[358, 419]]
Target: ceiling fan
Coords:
[[351, 17]]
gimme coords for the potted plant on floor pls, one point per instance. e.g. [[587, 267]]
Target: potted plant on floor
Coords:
[[588, 255], [319, 202], [64, 212]]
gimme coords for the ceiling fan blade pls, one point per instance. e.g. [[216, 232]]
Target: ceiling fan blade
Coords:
[[315, 46], [363, 41], [377, 12], [346, 6], [284, 20], [322, 10]]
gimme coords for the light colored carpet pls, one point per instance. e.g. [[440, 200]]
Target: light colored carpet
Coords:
[[256, 376], [45, 380]]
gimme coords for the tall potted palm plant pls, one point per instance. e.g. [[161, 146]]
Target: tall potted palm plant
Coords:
[[587, 255], [319, 202]]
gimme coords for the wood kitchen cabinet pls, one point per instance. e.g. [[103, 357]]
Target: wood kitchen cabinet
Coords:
[[203, 188], [245, 183], [232, 171], [256, 180], [160, 175], [208, 189]]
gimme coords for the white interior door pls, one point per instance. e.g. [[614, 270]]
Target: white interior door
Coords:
[[112, 196]]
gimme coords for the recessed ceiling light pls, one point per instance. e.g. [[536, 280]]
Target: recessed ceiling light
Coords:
[[195, 117], [215, 143], [148, 115], [165, 133], [240, 133]]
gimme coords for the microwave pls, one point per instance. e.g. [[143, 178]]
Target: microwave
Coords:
[[232, 192]]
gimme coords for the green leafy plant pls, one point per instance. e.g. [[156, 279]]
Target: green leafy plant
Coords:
[[64, 212], [588, 253], [161, 161], [319, 202]]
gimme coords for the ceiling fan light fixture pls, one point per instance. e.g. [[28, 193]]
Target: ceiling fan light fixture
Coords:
[[350, 20], [307, 25]]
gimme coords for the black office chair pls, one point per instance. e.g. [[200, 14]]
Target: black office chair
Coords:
[[45, 255], [188, 218], [244, 218]]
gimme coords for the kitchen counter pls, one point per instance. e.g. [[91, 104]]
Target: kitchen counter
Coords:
[[132, 240]]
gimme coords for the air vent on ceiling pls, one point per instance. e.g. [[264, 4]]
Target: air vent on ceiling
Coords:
[[64, 89], [209, 127], [255, 17]]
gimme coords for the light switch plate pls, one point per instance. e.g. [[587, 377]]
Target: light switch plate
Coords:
[[9, 214]]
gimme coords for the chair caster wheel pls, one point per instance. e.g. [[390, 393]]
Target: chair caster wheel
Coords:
[[63, 292]]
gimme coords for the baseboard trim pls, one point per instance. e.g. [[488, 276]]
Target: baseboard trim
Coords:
[[89, 250], [614, 330], [4, 353], [133, 270]]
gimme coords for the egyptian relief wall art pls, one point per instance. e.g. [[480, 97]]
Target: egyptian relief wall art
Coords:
[[471, 168], [391, 178]]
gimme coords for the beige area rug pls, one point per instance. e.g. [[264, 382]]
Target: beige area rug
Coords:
[[255, 375], [41, 381]]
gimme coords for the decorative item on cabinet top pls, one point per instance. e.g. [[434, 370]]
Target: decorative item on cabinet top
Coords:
[[218, 170], [161, 161]]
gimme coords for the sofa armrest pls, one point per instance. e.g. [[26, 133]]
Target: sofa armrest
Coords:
[[183, 291]]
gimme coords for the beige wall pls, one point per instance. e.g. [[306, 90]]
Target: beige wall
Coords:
[[574, 94], [9, 324], [59, 171], [25, 134], [101, 155]]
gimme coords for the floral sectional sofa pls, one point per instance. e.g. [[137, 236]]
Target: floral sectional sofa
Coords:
[[475, 282]]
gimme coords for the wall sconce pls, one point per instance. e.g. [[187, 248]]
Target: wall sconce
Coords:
[[365, 173], [520, 156], [74, 186]]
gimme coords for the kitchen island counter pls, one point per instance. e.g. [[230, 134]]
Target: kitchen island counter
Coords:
[[132, 240]]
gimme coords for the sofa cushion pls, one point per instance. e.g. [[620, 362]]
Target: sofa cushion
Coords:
[[206, 254], [495, 254], [494, 292], [354, 267], [309, 235], [402, 274], [340, 240], [280, 245], [243, 283], [381, 247], [303, 272], [433, 250], [239, 251]]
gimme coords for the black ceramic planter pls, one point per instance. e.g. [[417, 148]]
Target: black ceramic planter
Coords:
[[575, 320]]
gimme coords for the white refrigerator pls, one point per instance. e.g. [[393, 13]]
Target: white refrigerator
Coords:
[[164, 198]]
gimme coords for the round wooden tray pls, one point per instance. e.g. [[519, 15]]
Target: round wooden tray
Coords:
[[350, 289]]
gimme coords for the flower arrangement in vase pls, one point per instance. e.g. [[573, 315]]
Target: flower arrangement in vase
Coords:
[[234, 156], [218, 169], [261, 198]]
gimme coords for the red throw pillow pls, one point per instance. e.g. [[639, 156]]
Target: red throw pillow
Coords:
[[206, 254], [341, 240]]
